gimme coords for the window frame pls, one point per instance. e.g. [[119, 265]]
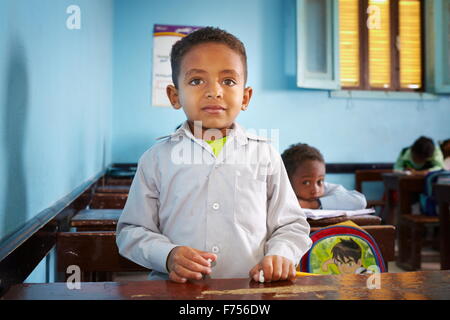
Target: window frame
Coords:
[[394, 52], [435, 69]]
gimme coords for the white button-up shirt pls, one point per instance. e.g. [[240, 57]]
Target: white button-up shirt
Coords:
[[239, 205], [336, 197]]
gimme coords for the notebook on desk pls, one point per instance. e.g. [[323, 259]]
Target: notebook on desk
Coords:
[[316, 214]]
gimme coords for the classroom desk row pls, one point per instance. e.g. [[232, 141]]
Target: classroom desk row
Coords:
[[428, 285], [411, 226]]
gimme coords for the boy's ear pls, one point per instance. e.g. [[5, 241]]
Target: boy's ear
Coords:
[[246, 98], [172, 94]]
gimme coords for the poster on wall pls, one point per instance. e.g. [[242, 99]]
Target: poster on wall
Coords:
[[164, 36]]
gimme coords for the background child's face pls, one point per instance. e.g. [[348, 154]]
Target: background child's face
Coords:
[[420, 161], [211, 86], [308, 180]]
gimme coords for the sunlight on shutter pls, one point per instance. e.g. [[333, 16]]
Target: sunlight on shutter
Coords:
[[349, 42], [379, 44], [410, 44]]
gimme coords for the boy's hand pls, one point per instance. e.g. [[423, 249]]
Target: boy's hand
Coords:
[[188, 263], [275, 268], [309, 204]]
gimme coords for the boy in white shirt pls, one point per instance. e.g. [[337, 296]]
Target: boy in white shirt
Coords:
[[212, 192], [305, 166]]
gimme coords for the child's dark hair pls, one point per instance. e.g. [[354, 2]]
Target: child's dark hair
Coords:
[[298, 153], [204, 35], [346, 249], [423, 147]]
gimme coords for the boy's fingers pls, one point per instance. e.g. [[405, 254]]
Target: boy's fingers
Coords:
[[186, 273], [207, 255], [285, 269], [254, 272], [292, 272], [267, 268], [192, 265], [176, 278], [277, 265]]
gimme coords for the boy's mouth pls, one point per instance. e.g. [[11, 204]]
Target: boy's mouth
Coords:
[[213, 109]]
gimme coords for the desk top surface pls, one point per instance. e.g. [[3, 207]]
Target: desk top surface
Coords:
[[392, 286]]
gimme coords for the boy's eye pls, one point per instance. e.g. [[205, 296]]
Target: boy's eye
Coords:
[[306, 183], [195, 82], [229, 82], [320, 182]]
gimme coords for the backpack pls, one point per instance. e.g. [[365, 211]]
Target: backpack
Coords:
[[343, 248], [428, 203]]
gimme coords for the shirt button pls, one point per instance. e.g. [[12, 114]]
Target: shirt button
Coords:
[[215, 249], [216, 206]]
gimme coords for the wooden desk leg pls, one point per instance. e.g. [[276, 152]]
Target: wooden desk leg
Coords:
[[404, 243], [416, 245], [388, 212], [444, 229]]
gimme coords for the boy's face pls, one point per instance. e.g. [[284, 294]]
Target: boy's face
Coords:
[[419, 160], [308, 180], [348, 266], [211, 86]]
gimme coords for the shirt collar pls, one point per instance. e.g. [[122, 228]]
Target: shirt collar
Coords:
[[237, 132]]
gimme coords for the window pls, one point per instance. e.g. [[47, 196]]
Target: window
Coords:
[[374, 45], [380, 44]]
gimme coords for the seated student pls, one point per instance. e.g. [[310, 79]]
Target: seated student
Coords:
[[422, 157], [225, 210], [445, 147], [306, 170]]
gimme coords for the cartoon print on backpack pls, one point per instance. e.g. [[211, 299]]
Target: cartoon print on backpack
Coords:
[[347, 257], [344, 248]]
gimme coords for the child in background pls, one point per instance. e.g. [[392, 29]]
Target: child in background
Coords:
[[232, 205], [445, 148], [422, 157], [306, 170]]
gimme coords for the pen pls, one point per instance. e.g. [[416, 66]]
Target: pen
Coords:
[[302, 274]]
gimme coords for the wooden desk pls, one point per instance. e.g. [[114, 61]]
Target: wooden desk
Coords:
[[442, 192], [96, 219], [363, 220], [370, 175], [113, 189], [410, 227], [407, 186], [393, 286]]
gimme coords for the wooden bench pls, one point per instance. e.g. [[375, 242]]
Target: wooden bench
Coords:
[[370, 175], [95, 253], [96, 219], [108, 200], [411, 229], [442, 193], [408, 187]]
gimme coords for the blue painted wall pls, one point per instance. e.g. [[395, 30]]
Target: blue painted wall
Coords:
[[345, 131], [55, 104]]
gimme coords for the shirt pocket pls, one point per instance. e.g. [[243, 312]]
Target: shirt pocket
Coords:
[[250, 210]]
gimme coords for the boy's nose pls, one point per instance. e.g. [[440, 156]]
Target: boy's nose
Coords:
[[214, 91]]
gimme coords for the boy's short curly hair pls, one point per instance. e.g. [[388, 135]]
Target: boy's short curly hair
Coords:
[[423, 147], [204, 35], [298, 153]]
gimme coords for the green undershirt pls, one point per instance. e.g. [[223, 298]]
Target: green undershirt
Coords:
[[217, 145]]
